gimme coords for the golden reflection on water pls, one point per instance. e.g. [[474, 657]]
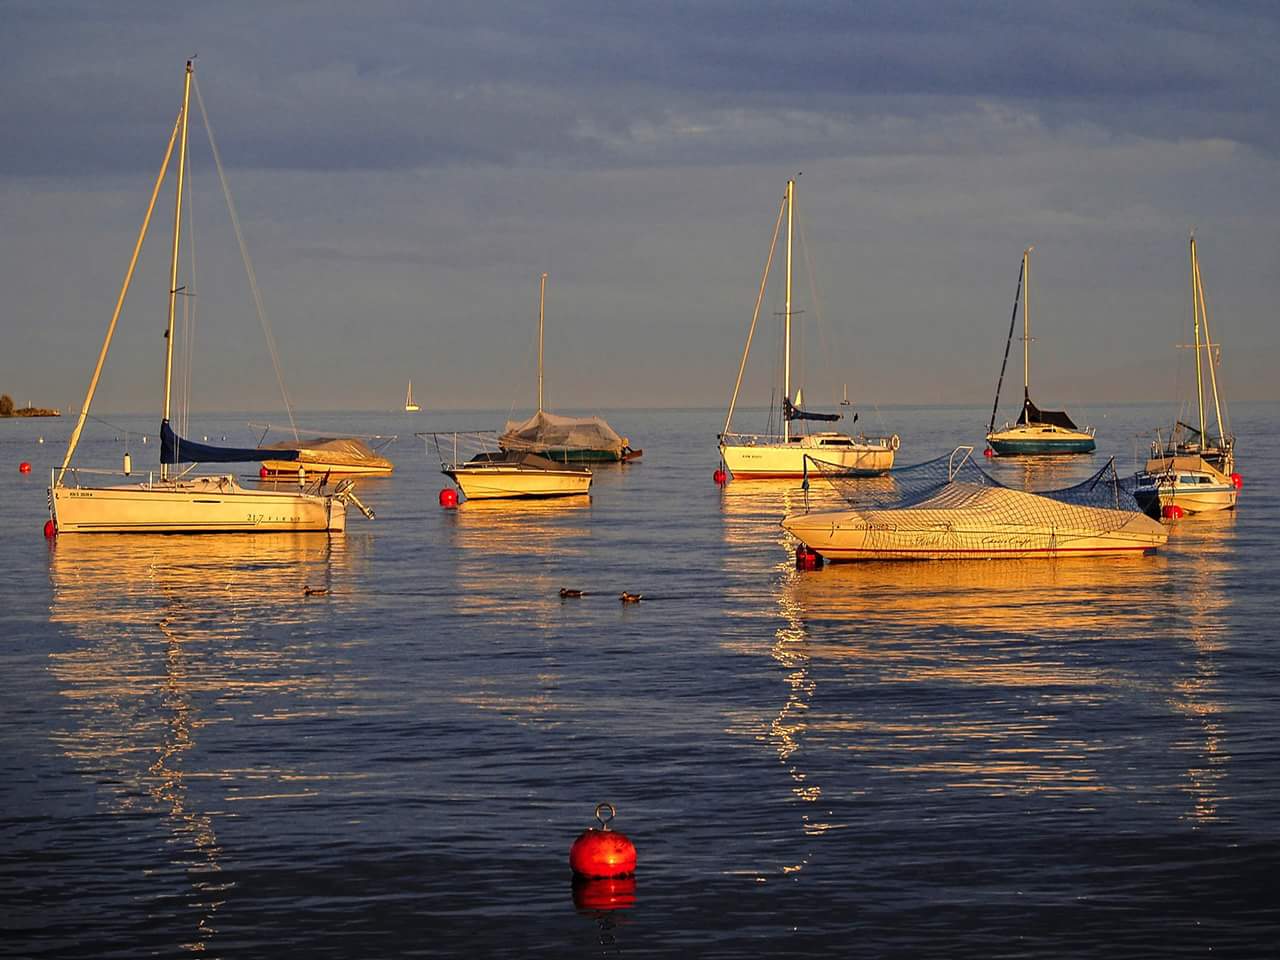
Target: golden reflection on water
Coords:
[[1002, 626], [156, 626], [1205, 545]]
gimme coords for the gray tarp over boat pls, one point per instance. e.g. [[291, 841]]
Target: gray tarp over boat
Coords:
[[335, 450], [549, 431]]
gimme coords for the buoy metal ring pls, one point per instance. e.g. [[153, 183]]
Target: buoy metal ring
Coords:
[[604, 820]]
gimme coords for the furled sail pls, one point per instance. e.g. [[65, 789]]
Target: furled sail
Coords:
[[1031, 414], [174, 449], [793, 412]]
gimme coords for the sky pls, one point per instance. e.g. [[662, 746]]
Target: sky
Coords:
[[404, 172]]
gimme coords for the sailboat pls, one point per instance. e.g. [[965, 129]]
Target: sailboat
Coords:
[[410, 405], [769, 456], [560, 438], [176, 502], [1036, 431], [1193, 472]]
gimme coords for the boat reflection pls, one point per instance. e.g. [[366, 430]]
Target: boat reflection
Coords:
[[166, 635], [1203, 545]]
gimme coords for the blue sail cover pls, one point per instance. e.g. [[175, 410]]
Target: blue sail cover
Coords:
[[174, 449]]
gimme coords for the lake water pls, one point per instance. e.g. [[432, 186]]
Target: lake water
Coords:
[[1033, 759]]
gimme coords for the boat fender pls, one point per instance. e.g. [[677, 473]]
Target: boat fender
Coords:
[[720, 477], [602, 852], [895, 442], [50, 529], [448, 498], [988, 452], [262, 472], [807, 558], [1237, 481]]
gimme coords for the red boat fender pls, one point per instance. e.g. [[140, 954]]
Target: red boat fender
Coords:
[[602, 852], [988, 452], [50, 529], [448, 498], [807, 558], [262, 472], [1237, 481]]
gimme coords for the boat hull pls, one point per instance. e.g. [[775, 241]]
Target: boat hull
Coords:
[[850, 536], [777, 460], [289, 469], [1039, 441], [499, 483], [200, 505]]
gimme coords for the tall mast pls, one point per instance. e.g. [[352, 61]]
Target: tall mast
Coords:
[[173, 261], [1195, 312], [1208, 349], [542, 302], [786, 363], [1026, 327]]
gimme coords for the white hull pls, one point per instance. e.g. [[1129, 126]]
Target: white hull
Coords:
[[490, 483], [1188, 482], [197, 505], [991, 527], [772, 458]]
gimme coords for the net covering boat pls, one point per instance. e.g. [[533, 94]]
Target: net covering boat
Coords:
[[948, 507]]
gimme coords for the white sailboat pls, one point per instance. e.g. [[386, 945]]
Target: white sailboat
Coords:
[[768, 456], [410, 405], [1036, 432], [1194, 471], [178, 503]]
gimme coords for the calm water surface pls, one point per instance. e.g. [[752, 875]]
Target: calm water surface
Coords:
[[1032, 759]]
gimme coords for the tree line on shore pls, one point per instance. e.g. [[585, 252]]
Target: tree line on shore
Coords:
[[7, 409]]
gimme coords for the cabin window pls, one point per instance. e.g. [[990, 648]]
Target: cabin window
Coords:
[[837, 443], [1187, 480]]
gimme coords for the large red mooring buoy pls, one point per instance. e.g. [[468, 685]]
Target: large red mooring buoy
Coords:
[[448, 498], [1171, 511], [720, 477], [24, 467], [602, 852]]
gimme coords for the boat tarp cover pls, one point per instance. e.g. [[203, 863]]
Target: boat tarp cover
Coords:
[[339, 450], [793, 412], [1033, 414], [926, 491], [175, 449], [549, 431]]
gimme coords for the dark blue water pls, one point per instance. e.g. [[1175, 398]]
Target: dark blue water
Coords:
[[1030, 759]]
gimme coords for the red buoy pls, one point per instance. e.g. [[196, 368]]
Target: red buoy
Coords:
[[1237, 481], [602, 852], [50, 529], [807, 558], [1171, 511], [448, 498], [262, 471], [24, 467], [720, 477], [988, 452]]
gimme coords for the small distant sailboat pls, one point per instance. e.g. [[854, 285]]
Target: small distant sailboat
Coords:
[[410, 405], [768, 456], [1036, 432], [1193, 472], [560, 438], [175, 502]]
